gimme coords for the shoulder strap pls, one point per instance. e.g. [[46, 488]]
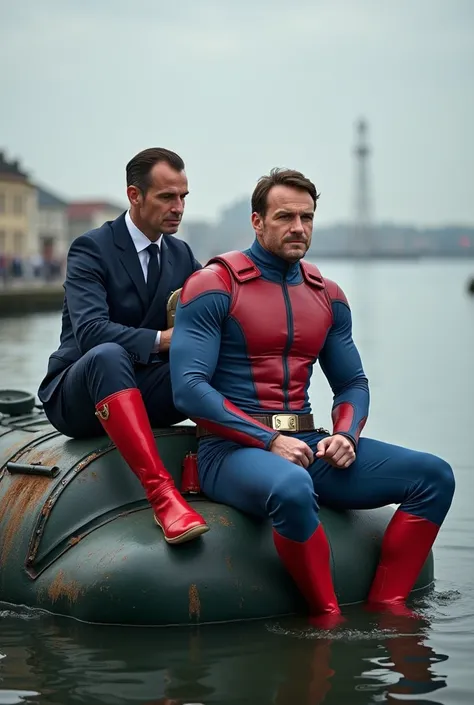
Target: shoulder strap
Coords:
[[312, 275], [241, 267]]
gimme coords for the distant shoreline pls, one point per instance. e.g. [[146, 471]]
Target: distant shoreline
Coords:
[[27, 298]]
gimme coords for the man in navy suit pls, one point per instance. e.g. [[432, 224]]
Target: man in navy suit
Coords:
[[111, 370]]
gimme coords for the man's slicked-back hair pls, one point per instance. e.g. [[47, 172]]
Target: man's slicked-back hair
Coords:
[[139, 167], [280, 177]]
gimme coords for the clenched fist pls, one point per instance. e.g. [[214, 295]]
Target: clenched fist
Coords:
[[336, 450], [292, 449]]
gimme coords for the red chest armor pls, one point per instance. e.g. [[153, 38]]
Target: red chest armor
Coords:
[[284, 326]]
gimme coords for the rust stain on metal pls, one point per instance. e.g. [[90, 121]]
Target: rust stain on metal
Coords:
[[213, 518], [43, 456], [84, 463], [46, 511], [89, 476], [63, 588], [228, 561], [18, 502], [74, 540], [194, 602]]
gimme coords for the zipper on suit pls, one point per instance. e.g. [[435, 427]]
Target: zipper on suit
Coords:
[[289, 343]]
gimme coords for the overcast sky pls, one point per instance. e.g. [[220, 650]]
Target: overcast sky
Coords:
[[239, 86]]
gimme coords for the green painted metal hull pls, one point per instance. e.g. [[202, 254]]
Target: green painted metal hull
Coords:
[[84, 544]]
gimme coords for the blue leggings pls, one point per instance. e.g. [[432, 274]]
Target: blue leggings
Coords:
[[261, 483]]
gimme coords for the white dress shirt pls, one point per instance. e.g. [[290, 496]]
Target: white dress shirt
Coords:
[[141, 242]]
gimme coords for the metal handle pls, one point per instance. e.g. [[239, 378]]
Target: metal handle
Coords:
[[26, 469]]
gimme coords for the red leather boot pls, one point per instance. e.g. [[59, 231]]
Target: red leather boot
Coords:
[[405, 548], [309, 565], [125, 419]]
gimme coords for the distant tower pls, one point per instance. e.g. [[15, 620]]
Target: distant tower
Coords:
[[362, 232]]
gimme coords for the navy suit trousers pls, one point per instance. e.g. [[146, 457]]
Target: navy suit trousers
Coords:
[[102, 371]]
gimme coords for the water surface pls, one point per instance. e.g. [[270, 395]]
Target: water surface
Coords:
[[414, 326]]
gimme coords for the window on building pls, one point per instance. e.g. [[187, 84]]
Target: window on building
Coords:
[[18, 205]]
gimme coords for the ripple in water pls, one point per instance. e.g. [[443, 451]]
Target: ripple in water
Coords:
[[21, 612], [445, 598], [342, 634], [17, 697]]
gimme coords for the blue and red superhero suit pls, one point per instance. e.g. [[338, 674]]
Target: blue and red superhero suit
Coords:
[[249, 329]]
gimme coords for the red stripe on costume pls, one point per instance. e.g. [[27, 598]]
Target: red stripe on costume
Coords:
[[232, 409], [342, 417], [335, 292], [229, 433], [212, 278], [360, 426]]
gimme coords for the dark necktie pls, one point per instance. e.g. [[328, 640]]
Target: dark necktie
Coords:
[[153, 275]]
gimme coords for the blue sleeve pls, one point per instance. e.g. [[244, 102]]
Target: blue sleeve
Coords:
[[194, 354], [86, 296], [340, 361]]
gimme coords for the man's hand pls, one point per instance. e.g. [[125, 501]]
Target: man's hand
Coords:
[[165, 339], [292, 449], [336, 450]]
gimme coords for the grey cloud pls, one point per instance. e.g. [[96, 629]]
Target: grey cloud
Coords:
[[239, 87]]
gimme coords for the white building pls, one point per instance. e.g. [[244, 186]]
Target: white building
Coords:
[[87, 215], [52, 225]]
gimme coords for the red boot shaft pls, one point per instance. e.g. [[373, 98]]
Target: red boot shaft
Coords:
[[405, 548], [308, 563], [125, 419]]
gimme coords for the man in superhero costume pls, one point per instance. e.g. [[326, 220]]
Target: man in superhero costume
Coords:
[[249, 329]]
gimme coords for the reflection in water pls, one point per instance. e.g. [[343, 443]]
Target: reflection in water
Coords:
[[282, 663], [396, 648], [422, 390], [406, 669]]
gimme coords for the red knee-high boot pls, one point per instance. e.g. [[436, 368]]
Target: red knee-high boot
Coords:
[[125, 419], [308, 563], [405, 548]]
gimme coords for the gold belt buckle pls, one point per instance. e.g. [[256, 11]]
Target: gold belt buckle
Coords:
[[285, 422]]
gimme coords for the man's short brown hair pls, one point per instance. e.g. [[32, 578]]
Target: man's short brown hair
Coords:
[[280, 177], [139, 167]]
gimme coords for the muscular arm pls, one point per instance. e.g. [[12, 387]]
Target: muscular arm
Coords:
[[342, 366], [194, 354], [86, 295]]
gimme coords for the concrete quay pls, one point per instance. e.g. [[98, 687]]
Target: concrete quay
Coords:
[[26, 298]]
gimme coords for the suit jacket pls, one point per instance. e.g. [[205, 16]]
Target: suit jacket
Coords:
[[106, 298]]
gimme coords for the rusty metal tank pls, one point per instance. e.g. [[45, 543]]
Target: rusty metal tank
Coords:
[[77, 537]]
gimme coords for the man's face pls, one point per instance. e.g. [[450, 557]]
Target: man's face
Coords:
[[287, 227], [161, 208]]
